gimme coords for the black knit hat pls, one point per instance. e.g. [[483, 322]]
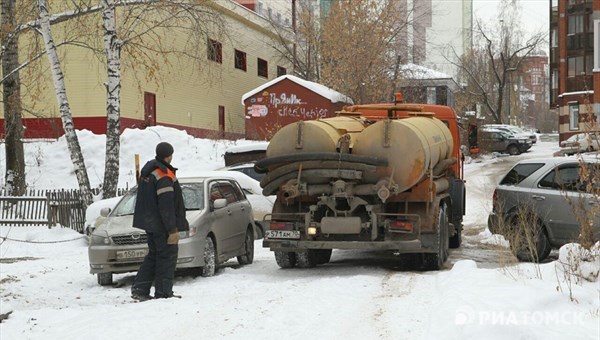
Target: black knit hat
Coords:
[[164, 150]]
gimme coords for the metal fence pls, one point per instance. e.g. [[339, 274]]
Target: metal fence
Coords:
[[46, 207]]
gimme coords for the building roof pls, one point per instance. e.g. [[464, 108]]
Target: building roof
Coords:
[[417, 75], [418, 72], [322, 90]]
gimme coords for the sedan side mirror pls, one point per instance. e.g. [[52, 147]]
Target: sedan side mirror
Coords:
[[220, 203], [105, 211]]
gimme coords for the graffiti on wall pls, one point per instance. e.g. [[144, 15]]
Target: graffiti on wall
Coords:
[[284, 105]]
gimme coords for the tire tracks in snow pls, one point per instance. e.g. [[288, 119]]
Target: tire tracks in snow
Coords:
[[394, 287]]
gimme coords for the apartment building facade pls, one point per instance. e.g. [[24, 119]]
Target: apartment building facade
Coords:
[[575, 64]]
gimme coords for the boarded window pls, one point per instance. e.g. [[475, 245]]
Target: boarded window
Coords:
[[215, 51], [240, 60], [281, 71], [263, 68]]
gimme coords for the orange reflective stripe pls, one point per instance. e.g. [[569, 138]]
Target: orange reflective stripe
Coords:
[[169, 173]]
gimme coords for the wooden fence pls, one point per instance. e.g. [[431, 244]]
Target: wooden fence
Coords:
[[45, 207]]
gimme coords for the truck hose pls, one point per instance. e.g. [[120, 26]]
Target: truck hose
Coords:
[[262, 166]]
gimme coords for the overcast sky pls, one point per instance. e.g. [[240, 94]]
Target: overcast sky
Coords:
[[534, 15]]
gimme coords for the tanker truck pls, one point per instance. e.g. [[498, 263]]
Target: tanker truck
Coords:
[[376, 177]]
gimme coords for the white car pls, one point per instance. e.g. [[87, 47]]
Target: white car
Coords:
[[221, 227], [581, 142]]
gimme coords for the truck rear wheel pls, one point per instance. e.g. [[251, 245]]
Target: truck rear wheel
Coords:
[[307, 258], [456, 240], [436, 261], [285, 259], [323, 256]]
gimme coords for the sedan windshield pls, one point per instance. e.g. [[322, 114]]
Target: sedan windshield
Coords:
[[193, 199]]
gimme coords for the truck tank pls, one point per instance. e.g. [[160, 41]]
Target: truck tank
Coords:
[[412, 146], [315, 135]]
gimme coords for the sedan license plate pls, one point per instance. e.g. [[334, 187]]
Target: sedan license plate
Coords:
[[291, 234], [131, 254]]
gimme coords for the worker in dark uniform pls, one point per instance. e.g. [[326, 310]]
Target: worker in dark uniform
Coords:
[[159, 210]]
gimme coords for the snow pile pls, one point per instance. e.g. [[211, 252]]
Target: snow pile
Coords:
[[476, 303], [581, 263], [414, 71], [494, 239]]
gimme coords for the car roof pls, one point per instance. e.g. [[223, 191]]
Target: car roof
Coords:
[[203, 177], [562, 160]]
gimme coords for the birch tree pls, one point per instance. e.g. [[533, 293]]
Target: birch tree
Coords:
[[112, 48], [63, 103]]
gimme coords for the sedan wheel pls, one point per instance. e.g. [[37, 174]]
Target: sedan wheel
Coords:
[[513, 150], [105, 279], [248, 256], [531, 245], [209, 258]]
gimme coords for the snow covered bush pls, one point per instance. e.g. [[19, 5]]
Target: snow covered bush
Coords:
[[578, 262]]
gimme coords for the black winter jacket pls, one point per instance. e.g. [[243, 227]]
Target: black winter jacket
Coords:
[[159, 206]]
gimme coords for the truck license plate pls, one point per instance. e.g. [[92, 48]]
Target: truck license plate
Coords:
[[131, 254], [293, 234]]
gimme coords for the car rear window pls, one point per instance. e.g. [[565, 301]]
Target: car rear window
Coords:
[[519, 172]]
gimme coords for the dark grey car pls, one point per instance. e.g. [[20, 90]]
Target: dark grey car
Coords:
[[549, 195], [493, 140]]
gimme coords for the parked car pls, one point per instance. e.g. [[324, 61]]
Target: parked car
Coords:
[[221, 227], [494, 140], [513, 130], [581, 142], [546, 194], [245, 168]]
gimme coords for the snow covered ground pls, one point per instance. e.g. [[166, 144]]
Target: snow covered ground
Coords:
[[482, 293]]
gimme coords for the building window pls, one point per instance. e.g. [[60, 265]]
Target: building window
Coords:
[[263, 68], [240, 60], [575, 66], [554, 79], [575, 24], [596, 44], [431, 95], [554, 37], [281, 71], [215, 51], [574, 116], [589, 64]]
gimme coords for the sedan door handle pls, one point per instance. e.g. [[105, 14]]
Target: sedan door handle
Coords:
[[243, 209], [593, 203], [228, 212], [538, 198]]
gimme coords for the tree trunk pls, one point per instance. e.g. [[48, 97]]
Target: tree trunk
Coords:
[[11, 96], [63, 104], [112, 47]]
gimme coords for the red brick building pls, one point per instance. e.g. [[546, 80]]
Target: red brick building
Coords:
[[575, 64], [534, 80]]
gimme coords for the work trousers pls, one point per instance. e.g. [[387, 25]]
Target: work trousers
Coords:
[[158, 267]]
